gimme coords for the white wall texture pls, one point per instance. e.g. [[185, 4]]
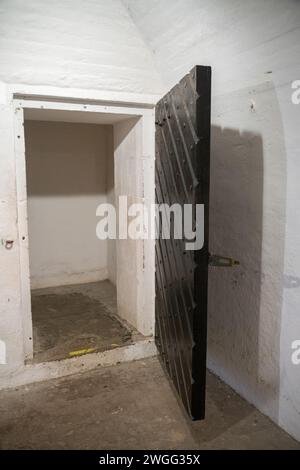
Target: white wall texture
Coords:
[[134, 177], [253, 48], [110, 191], [67, 177], [73, 43]]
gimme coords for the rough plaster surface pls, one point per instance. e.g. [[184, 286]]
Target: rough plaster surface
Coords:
[[134, 177], [253, 48], [67, 173], [110, 193], [10, 318], [74, 43]]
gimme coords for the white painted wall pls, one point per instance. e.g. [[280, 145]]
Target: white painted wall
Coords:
[[67, 178], [11, 323], [254, 49], [90, 44], [110, 191], [134, 177]]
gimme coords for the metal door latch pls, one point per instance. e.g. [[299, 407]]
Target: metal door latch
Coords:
[[222, 261]]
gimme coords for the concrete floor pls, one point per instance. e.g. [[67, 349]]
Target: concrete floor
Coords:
[[80, 317], [129, 406]]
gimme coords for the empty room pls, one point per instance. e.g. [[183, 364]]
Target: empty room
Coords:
[[69, 171], [75, 282]]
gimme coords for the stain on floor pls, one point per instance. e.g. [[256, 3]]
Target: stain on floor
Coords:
[[130, 406], [72, 320]]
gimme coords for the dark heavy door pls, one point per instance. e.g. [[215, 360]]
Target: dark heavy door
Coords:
[[182, 176]]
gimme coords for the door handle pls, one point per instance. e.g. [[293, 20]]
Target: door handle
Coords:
[[222, 261]]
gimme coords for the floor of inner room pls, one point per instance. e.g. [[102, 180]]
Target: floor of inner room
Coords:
[[77, 319], [130, 406]]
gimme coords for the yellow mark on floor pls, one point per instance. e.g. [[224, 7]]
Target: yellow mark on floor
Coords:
[[81, 352]]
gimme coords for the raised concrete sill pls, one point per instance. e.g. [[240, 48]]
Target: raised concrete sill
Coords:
[[30, 373]]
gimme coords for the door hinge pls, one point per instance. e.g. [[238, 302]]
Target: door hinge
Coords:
[[222, 261]]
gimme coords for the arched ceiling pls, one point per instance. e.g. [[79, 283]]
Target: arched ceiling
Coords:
[[92, 44]]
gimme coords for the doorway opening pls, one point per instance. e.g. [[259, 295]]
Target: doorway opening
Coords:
[[84, 295]]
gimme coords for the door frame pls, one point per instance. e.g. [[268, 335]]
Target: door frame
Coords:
[[141, 106]]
